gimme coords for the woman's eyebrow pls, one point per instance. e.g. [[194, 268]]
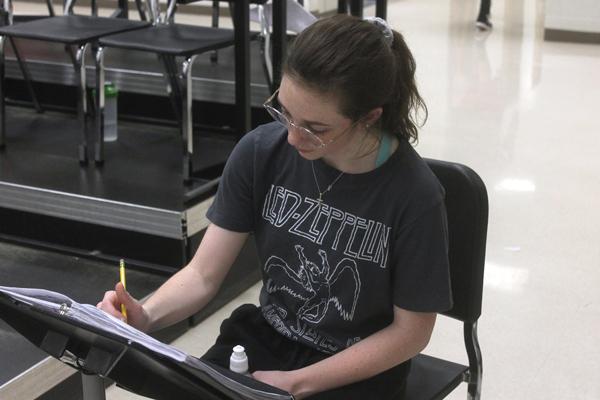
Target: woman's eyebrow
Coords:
[[311, 123]]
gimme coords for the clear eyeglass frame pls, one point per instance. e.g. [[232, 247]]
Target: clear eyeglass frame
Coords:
[[313, 139]]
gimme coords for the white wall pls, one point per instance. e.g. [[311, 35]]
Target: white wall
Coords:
[[573, 15], [321, 5]]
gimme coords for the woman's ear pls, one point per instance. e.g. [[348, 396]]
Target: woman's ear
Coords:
[[373, 116]]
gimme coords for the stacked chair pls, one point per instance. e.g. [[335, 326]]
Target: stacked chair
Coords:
[[177, 46], [171, 41], [78, 33], [7, 18]]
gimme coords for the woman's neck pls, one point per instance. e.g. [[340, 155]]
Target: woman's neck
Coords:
[[360, 157]]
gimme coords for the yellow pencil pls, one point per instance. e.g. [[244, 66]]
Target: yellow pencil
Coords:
[[122, 273]]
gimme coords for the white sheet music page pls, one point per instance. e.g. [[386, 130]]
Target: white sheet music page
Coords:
[[89, 315]]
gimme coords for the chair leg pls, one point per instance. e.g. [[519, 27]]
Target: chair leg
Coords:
[[214, 55], [140, 7], [381, 9], [123, 8], [82, 100], [26, 76], [357, 8], [267, 65], [475, 361], [2, 100], [265, 47], [169, 17], [71, 55], [68, 7], [50, 6], [153, 11], [99, 131], [231, 5], [173, 86], [187, 127]]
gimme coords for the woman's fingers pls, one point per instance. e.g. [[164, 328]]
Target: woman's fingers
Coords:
[[123, 297], [110, 304]]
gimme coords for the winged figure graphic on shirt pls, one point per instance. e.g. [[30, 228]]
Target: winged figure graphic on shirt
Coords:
[[317, 286]]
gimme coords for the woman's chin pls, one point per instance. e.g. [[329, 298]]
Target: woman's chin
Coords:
[[307, 154]]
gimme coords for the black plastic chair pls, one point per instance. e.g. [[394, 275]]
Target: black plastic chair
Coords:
[[8, 18], [71, 30], [170, 41], [467, 207]]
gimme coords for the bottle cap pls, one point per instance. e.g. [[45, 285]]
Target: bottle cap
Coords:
[[110, 90], [238, 362]]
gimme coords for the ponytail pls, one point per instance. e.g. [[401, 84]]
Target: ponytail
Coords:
[[354, 60], [405, 111]]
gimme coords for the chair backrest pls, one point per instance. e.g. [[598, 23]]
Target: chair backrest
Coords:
[[467, 208]]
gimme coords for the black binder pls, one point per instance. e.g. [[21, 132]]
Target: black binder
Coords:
[[134, 367]]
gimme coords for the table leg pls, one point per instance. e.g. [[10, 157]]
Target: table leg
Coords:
[[2, 94], [242, 66], [279, 40]]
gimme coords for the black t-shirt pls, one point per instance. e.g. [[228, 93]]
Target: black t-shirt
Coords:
[[333, 271]]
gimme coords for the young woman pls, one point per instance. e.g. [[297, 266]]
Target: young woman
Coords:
[[349, 224]]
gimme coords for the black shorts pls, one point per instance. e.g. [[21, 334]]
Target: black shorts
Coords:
[[268, 350]]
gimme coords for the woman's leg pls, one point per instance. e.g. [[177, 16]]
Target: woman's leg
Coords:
[[483, 19], [268, 350], [247, 327], [389, 385]]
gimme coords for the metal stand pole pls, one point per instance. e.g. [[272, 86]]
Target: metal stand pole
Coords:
[[93, 387]]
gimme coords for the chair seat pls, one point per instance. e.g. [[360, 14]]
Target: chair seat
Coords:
[[432, 378], [70, 29], [173, 39]]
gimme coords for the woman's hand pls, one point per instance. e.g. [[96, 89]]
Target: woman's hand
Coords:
[[111, 303], [405, 337], [284, 380]]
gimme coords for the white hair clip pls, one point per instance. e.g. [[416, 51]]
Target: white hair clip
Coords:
[[384, 27]]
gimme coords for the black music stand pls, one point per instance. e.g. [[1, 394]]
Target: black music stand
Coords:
[[104, 353]]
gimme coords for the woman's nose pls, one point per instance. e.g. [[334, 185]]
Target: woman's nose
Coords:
[[295, 136]]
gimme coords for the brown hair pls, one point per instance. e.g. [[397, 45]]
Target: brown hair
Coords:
[[350, 58]]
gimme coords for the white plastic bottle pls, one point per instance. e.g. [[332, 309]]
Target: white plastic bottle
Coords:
[[110, 112], [238, 362]]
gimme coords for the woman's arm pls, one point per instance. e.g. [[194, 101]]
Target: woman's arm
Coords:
[[404, 338], [188, 290]]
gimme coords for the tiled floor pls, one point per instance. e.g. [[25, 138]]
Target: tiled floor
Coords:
[[523, 113]]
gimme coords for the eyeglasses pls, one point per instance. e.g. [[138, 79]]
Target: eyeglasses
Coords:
[[313, 138]]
